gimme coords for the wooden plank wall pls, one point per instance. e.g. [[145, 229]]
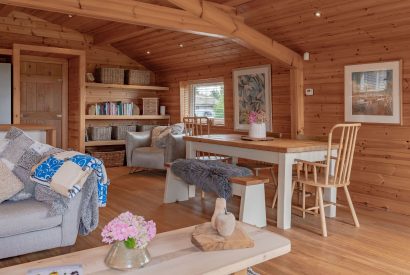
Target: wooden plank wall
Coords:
[[280, 92], [22, 28], [381, 168]]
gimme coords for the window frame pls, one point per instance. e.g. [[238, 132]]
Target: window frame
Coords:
[[187, 97]]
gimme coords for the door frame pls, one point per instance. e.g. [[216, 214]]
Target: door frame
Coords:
[[64, 95], [76, 87]]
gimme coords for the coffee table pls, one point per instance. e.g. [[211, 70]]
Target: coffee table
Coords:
[[173, 253]]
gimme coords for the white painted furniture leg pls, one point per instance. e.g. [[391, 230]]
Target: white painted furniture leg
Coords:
[[284, 191], [191, 191], [330, 194], [175, 188], [253, 209]]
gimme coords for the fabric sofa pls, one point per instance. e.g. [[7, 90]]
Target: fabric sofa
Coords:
[[25, 226], [141, 154], [34, 216]]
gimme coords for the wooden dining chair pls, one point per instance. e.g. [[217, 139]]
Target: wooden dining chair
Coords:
[[341, 178], [258, 166], [197, 126], [303, 191]]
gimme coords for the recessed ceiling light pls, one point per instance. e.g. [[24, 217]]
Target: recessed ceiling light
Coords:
[[70, 15], [148, 52], [318, 13], [181, 45]]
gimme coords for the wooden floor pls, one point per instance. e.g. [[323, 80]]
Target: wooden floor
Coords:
[[380, 246]]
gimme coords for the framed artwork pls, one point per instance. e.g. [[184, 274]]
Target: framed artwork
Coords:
[[252, 92], [373, 93]]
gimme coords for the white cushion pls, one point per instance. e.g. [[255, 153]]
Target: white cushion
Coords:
[[9, 183]]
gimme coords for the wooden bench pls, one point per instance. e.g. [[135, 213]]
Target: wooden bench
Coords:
[[251, 190]]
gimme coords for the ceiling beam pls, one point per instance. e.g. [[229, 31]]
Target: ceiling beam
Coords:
[[118, 34], [197, 16], [240, 32], [126, 11], [235, 3], [5, 10]]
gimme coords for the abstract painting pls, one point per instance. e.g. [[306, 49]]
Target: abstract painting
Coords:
[[373, 92], [252, 92]]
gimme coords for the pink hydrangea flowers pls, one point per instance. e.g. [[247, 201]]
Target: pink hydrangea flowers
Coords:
[[257, 117], [133, 230]]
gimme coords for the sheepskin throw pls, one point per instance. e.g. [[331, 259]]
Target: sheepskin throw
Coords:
[[209, 175]]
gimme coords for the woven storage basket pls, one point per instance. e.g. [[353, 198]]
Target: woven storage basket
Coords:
[[110, 75], [150, 106], [111, 158], [120, 131], [137, 77], [99, 133]]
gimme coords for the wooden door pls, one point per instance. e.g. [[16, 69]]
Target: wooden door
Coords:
[[44, 94]]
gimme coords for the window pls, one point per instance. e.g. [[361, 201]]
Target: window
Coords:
[[203, 98]]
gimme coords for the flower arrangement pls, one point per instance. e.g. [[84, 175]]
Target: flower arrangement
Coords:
[[257, 117], [133, 230]]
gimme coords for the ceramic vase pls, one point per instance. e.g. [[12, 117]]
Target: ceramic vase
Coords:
[[123, 258], [257, 130]]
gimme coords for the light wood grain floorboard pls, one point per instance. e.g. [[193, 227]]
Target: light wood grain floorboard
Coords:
[[380, 246]]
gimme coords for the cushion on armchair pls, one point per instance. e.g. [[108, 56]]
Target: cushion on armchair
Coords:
[[160, 134]]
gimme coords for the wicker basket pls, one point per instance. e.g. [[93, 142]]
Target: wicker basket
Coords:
[[137, 77], [150, 106], [111, 158], [120, 131], [110, 75], [99, 133]]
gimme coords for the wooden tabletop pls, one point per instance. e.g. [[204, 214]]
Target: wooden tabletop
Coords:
[[173, 253], [277, 145]]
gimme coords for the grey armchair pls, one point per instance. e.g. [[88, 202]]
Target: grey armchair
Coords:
[[140, 153]]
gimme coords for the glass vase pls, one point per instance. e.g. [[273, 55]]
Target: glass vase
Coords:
[[123, 258]]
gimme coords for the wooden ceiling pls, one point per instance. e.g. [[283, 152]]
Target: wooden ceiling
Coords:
[[290, 22]]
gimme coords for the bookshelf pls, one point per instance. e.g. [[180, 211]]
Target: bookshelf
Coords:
[[104, 142], [125, 87], [122, 117], [99, 93]]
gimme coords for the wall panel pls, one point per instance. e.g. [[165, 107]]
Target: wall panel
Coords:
[[380, 176], [280, 91]]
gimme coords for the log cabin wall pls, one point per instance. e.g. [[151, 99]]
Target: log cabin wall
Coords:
[[280, 91], [381, 168]]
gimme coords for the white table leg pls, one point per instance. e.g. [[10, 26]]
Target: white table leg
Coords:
[[190, 151], [330, 194], [234, 160], [284, 191]]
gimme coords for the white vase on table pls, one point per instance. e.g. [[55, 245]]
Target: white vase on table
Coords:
[[257, 130]]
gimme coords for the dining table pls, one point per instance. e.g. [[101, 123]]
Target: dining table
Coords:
[[280, 151]]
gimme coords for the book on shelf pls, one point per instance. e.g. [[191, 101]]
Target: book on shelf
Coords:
[[117, 108]]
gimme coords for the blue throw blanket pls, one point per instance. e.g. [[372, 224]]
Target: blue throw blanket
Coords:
[[66, 172]]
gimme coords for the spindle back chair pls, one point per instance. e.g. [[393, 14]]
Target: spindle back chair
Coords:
[[346, 142]]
